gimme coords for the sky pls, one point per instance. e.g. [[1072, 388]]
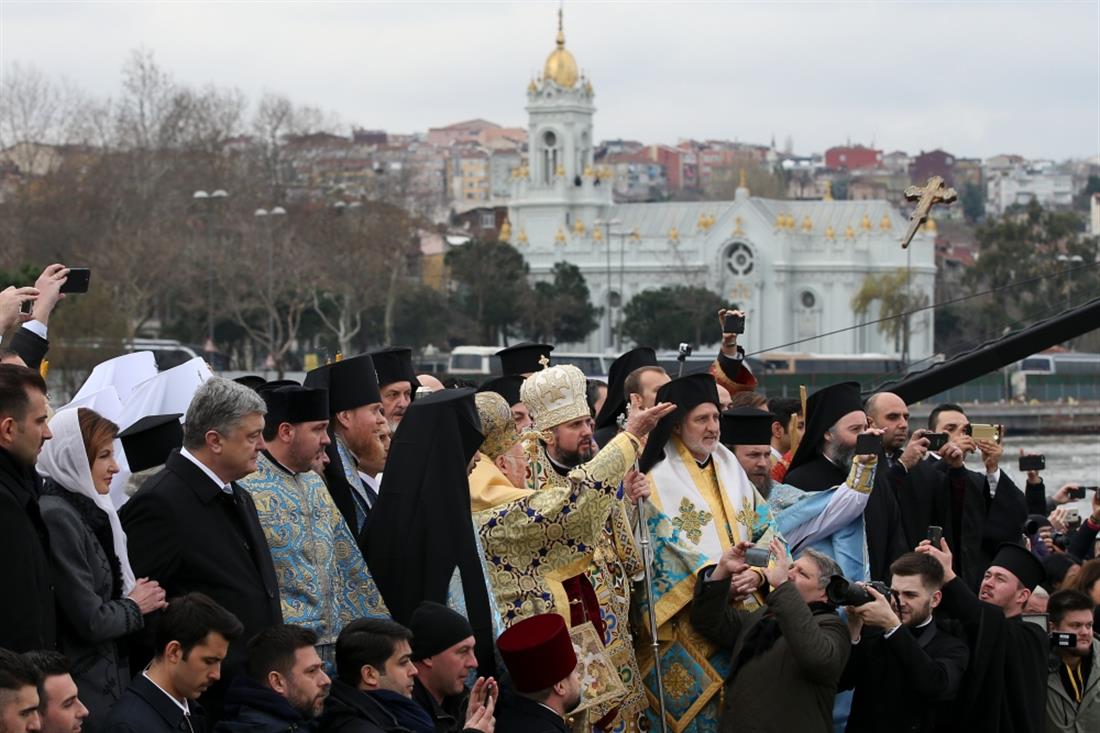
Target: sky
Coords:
[[973, 78]]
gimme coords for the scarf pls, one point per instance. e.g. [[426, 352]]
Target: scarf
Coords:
[[762, 637], [65, 460], [408, 713]]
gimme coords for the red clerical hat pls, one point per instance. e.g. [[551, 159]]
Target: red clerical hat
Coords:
[[538, 652]]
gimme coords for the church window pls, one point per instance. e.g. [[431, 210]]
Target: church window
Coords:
[[808, 299], [739, 259], [549, 138], [488, 220]]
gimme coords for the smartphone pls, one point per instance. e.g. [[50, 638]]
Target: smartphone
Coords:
[[1062, 640], [732, 323], [983, 431], [1093, 489], [936, 441], [1033, 463], [77, 280], [758, 557], [26, 307], [935, 534], [1078, 493], [1073, 516], [868, 444]]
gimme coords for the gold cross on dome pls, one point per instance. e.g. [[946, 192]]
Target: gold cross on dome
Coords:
[[934, 192], [544, 360]]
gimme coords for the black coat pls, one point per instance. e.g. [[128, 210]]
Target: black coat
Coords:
[[145, 709], [923, 498], [28, 614], [348, 710], [899, 681], [187, 534], [521, 715], [254, 708]]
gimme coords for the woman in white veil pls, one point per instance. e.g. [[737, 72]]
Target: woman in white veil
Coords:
[[99, 600]]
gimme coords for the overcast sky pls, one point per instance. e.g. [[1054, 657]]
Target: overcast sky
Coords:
[[976, 78]]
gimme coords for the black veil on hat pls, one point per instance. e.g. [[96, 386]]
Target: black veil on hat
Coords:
[[394, 364], [615, 403], [746, 426], [506, 386], [421, 528], [687, 393], [823, 409], [523, 358]]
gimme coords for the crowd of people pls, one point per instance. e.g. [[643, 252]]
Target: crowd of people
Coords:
[[376, 550]]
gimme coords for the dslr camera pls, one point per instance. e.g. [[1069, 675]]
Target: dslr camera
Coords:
[[843, 592]]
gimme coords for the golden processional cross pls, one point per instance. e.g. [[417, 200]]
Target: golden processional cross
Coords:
[[934, 192]]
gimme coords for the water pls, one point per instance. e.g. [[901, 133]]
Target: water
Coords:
[[1070, 459]]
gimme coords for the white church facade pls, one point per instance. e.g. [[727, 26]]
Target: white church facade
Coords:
[[794, 266]]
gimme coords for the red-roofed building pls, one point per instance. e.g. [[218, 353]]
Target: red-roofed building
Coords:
[[852, 157]]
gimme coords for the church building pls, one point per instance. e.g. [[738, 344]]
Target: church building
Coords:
[[793, 266]]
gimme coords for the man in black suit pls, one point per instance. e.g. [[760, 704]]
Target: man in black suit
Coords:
[[192, 639], [540, 657], [27, 615], [905, 666], [986, 509], [194, 529]]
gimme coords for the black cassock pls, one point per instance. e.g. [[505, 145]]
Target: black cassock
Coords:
[[881, 517], [1005, 687]]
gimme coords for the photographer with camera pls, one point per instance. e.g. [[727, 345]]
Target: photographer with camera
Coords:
[[1004, 688], [905, 665], [1078, 537], [788, 655], [1073, 685]]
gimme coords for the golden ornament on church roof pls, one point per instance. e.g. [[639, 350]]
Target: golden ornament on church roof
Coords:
[[559, 237], [705, 222], [865, 222], [807, 224], [532, 87], [636, 236], [885, 223], [561, 67], [738, 229], [597, 234], [521, 238], [578, 228], [505, 231], [930, 226], [560, 171], [588, 172], [674, 234], [849, 233], [830, 233]]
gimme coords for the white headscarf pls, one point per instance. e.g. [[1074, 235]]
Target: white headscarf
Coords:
[[65, 460]]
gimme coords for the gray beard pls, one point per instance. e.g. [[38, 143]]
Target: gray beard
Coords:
[[842, 456]]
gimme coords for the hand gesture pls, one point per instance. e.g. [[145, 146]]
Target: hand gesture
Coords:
[[1061, 496], [953, 455], [635, 486], [745, 582], [49, 287], [879, 612], [732, 561], [942, 554], [915, 450], [1096, 507], [992, 452], [1058, 520], [11, 298], [776, 573], [479, 713], [644, 419], [729, 340], [148, 595]]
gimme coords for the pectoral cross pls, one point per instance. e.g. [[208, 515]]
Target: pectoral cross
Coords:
[[544, 361], [934, 192]]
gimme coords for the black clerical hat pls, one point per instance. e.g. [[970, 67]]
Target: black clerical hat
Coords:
[[615, 403], [1019, 561], [523, 358], [393, 364], [295, 404], [350, 383], [687, 393], [252, 381], [747, 426], [276, 384], [507, 387], [823, 408], [148, 442]]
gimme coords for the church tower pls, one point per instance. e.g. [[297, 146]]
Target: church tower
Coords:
[[559, 186]]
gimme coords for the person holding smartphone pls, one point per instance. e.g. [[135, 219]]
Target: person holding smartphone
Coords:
[[29, 344]]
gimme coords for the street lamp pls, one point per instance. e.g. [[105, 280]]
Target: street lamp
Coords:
[[1075, 260], [268, 215], [208, 201], [607, 224]]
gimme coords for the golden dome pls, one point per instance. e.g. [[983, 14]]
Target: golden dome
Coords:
[[807, 224], [885, 224], [561, 67], [930, 225], [505, 231]]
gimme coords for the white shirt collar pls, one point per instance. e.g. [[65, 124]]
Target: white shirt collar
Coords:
[[181, 705], [225, 486]]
